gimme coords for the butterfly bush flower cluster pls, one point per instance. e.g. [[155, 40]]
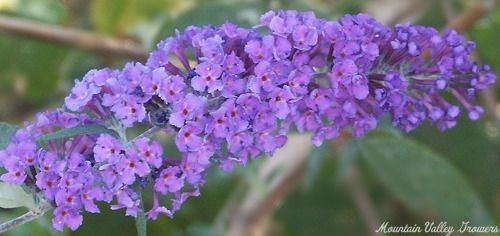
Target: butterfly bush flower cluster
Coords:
[[227, 95]]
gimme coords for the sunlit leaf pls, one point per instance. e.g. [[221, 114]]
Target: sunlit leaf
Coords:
[[13, 196]]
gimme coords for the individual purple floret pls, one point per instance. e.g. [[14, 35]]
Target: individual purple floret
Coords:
[[226, 95]]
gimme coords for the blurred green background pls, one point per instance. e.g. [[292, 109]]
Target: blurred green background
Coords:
[[406, 178]]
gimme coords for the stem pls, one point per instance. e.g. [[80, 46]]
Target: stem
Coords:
[[23, 219], [140, 220], [280, 174], [362, 201], [358, 192], [220, 222], [469, 17]]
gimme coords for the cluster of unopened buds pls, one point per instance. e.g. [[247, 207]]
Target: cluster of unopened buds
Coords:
[[227, 95]]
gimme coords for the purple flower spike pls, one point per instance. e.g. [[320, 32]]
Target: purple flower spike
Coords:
[[227, 95]]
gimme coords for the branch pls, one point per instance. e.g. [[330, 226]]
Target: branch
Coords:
[[23, 219], [279, 190], [81, 39], [280, 174], [357, 190], [468, 18], [362, 202]]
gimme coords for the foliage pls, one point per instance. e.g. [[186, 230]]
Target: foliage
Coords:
[[13, 196]]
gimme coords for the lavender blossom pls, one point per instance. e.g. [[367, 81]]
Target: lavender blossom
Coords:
[[228, 94]]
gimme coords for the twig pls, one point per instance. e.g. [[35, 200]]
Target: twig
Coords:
[[281, 173], [23, 219], [279, 190], [254, 221], [357, 190], [81, 39], [362, 201], [469, 17]]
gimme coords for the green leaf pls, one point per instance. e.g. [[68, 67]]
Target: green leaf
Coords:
[[6, 132], [77, 130], [13, 196], [422, 180], [470, 148]]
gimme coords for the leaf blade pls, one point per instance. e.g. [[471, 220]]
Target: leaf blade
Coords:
[[13, 196], [77, 130], [422, 180]]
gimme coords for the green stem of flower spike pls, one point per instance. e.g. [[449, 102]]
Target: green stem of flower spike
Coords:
[[140, 220]]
